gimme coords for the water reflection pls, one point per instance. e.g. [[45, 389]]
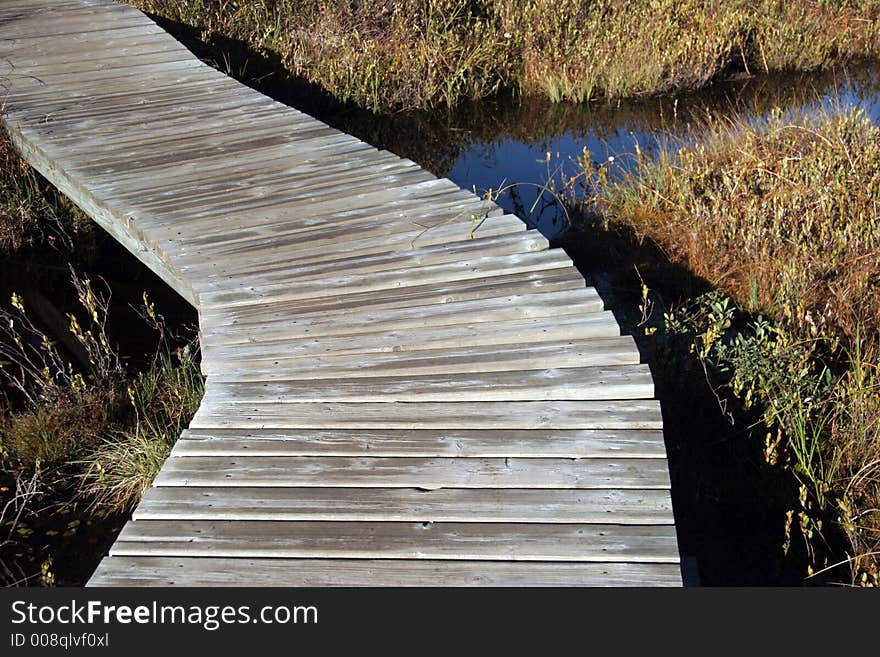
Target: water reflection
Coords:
[[492, 143], [550, 151]]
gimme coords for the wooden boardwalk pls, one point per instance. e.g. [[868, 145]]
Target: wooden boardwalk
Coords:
[[404, 386]]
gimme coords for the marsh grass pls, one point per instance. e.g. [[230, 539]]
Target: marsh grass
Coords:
[[84, 419], [89, 439], [120, 468], [780, 217], [413, 54], [31, 210], [780, 212]]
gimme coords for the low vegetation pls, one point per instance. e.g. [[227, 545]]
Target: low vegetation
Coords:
[[413, 54], [781, 218], [81, 443]]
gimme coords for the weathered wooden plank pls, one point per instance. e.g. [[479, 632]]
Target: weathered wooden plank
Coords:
[[315, 159], [240, 170], [107, 99], [272, 269], [82, 26], [336, 199], [312, 149], [449, 360], [96, 209], [38, 8], [328, 201], [195, 571], [360, 239], [241, 237], [72, 125], [155, 55], [47, 49], [199, 147], [579, 301], [640, 507], [268, 172], [391, 540], [432, 208], [179, 69], [37, 111], [449, 213], [507, 443], [344, 284], [112, 118], [45, 99], [406, 472], [630, 414], [142, 47], [119, 44], [197, 117], [555, 280], [577, 383], [136, 44], [33, 8], [525, 331], [279, 210]]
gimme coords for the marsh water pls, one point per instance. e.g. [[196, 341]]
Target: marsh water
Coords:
[[529, 149]]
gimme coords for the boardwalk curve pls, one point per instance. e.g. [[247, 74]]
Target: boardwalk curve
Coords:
[[404, 386]]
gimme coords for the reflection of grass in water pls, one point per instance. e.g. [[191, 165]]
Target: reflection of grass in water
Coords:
[[782, 217], [392, 55]]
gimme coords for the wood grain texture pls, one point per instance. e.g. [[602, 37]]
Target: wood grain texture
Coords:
[[492, 309], [499, 443], [275, 348], [448, 360], [213, 571], [419, 296], [638, 507], [405, 472], [575, 383], [626, 414], [399, 540]]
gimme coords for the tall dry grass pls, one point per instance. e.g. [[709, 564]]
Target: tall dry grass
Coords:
[[782, 218], [415, 53]]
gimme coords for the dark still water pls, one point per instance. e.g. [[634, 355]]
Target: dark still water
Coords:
[[528, 145], [533, 144]]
